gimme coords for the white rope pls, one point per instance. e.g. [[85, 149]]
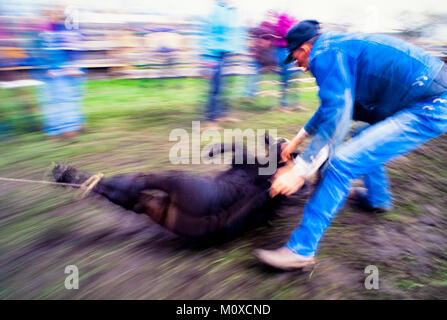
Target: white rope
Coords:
[[87, 186]]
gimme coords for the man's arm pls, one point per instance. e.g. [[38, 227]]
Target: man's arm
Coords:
[[330, 124], [289, 147]]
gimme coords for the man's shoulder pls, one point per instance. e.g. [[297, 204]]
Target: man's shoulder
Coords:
[[336, 38], [344, 39], [353, 43], [328, 40], [331, 44]]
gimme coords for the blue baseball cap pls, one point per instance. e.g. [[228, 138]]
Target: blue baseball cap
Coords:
[[299, 34]]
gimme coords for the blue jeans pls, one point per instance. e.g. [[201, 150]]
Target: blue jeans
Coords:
[[284, 73], [61, 103], [252, 85], [365, 155], [216, 107]]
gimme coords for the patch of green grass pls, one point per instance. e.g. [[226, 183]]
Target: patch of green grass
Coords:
[[409, 284], [395, 216], [128, 124], [410, 208]]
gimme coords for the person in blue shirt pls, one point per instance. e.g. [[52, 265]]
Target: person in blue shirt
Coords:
[[222, 35], [394, 86]]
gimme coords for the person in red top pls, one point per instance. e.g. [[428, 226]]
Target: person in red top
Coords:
[[283, 24], [269, 49]]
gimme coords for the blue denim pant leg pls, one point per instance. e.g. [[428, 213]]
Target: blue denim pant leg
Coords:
[[252, 85], [60, 103], [361, 155], [214, 107], [378, 186], [377, 183], [284, 74]]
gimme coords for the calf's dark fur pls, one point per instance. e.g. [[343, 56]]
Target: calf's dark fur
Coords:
[[192, 205]]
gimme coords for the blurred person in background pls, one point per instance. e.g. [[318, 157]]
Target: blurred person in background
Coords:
[[262, 52], [19, 112], [396, 87], [222, 36], [60, 97], [283, 23], [269, 50]]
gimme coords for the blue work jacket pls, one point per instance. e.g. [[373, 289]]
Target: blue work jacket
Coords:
[[363, 77]]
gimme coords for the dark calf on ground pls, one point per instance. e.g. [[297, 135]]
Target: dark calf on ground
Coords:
[[192, 205]]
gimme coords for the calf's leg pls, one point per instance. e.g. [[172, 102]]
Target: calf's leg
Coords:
[[124, 189]]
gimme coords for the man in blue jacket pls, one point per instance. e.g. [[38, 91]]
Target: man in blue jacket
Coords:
[[399, 89]]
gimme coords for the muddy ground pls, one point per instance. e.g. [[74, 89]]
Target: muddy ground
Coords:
[[121, 255]]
